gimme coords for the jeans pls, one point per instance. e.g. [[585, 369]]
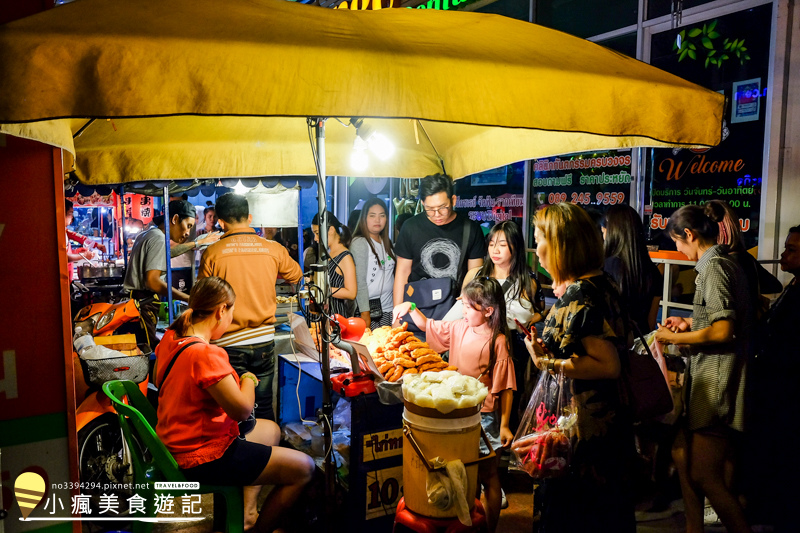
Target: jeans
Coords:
[[260, 360]]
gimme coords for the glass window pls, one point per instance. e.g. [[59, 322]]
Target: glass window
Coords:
[[659, 8], [586, 18], [624, 44]]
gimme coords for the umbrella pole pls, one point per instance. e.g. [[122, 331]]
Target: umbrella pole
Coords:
[[327, 405], [169, 260], [122, 231]]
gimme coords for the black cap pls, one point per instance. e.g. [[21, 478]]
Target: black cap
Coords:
[[182, 208]]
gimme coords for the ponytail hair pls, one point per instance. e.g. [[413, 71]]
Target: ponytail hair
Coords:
[[207, 294], [730, 229], [483, 292], [345, 235], [701, 220]]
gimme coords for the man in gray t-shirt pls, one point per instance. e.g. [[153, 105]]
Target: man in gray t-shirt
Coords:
[[148, 262]]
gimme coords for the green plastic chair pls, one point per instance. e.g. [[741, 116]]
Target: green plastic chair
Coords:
[[137, 418]]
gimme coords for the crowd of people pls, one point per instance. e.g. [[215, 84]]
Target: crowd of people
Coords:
[[216, 414]]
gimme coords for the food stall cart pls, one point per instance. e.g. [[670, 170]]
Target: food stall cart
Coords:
[[187, 115]]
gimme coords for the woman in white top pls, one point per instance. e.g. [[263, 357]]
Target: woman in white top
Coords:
[[505, 261], [375, 260]]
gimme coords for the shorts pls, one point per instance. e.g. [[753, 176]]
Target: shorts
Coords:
[[491, 425], [240, 465]]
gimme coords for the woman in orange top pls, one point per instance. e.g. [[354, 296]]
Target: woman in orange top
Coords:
[[201, 399]]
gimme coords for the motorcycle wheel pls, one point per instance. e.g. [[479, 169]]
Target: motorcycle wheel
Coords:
[[105, 465]]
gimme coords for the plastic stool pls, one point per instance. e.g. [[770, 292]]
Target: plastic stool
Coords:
[[407, 520]]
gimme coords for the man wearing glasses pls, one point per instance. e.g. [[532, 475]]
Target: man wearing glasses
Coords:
[[430, 244]]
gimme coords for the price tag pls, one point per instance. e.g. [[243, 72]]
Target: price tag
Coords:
[[384, 490]]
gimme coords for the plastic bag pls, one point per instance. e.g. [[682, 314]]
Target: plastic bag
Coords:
[[542, 446]]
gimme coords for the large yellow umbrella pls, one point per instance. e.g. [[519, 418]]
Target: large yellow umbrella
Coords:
[[198, 89]]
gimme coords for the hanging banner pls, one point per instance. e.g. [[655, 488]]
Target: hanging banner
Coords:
[[94, 200], [729, 54], [274, 207]]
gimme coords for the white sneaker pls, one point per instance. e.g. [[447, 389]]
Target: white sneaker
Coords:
[[710, 516]]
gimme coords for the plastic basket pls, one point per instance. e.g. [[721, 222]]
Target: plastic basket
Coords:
[[128, 367]]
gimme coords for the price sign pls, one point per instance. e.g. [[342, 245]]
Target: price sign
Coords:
[[384, 490]]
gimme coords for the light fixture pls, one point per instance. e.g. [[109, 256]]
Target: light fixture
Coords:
[[368, 137], [359, 160], [240, 189]]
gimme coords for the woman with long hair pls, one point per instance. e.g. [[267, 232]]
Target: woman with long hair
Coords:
[[201, 401], [627, 261], [375, 260], [718, 334], [506, 262], [584, 334], [341, 267]]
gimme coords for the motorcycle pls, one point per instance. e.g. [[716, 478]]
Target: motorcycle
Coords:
[[103, 457]]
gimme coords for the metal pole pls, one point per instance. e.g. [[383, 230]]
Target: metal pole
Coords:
[[124, 237], [300, 243], [327, 405], [169, 257]]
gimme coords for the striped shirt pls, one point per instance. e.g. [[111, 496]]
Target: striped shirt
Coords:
[[717, 372], [346, 308]]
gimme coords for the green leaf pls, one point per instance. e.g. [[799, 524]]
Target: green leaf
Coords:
[[713, 25], [707, 60], [683, 34], [738, 53], [747, 57], [726, 41], [707, 43], [683, 54], [735, 43], [743, 48], [713, 34], [713, 61], [675, 45], [695, 32], [692, 46], [692, 54], [723, 57], [727, 46], [705, 29], [711, 53]]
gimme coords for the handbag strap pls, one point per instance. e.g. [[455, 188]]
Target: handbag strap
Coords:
[[464, 241], [172, 362]]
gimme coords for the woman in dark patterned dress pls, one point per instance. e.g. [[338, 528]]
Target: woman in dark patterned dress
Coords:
[[719, 336], [584, 334], [341, 267]]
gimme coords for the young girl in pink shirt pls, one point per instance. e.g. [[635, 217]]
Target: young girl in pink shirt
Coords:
[[478, 346]]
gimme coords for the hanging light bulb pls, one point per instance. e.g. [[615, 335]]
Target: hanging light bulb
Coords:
[[359, 160], [381, 146], [239, 188]]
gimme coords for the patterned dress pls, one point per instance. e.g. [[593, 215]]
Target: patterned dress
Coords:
[[717, 372], [346, 308], [595, 495]]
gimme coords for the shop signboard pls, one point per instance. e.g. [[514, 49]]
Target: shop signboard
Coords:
[[493, 196], [729, 54], [587, 179]]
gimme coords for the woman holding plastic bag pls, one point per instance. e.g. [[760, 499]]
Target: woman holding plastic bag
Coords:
[[584, 334], [718, 334]]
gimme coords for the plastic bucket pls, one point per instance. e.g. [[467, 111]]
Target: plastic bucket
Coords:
[[455, 435]]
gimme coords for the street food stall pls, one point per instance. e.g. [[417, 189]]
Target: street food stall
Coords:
[[97, 81]]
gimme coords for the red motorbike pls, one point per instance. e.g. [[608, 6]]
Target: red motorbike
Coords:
[[102, 451]]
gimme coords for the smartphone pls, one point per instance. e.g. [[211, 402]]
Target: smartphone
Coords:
[[525, 330]]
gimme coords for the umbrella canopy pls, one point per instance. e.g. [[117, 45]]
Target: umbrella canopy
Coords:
[[200, 89]]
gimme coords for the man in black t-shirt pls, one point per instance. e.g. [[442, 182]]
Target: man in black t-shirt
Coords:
[[429, 245]]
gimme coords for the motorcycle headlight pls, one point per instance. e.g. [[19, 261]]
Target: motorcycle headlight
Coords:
[[104, 320]]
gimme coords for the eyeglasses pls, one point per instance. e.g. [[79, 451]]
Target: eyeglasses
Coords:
[[441, 210]]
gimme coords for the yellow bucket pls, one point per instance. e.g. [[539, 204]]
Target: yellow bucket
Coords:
[[428, 434]]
